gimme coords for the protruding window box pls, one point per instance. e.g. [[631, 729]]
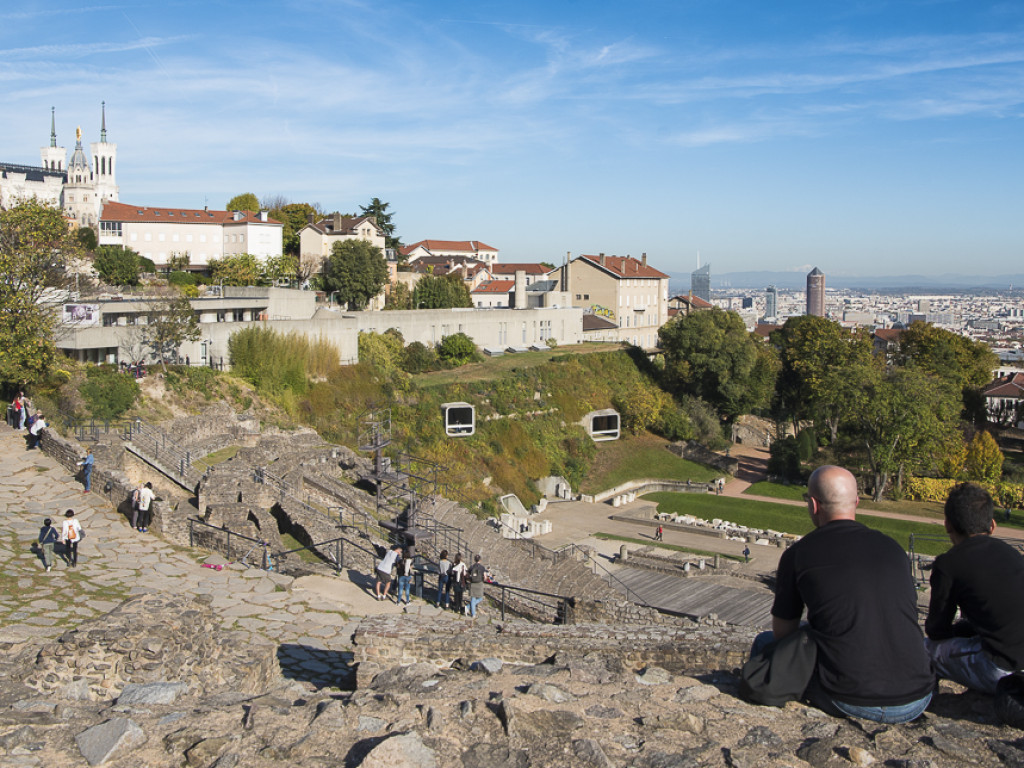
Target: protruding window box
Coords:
[[602, 425], [459, 419]]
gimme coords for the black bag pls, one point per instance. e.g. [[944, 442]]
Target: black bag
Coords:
[[781, 672]]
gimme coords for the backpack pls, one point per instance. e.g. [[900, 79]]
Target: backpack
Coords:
[[781, 672], [476, 574], [30, 421], [72, 533]]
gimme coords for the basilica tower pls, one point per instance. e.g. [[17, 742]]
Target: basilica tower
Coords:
[[103, 156], [53, 156]]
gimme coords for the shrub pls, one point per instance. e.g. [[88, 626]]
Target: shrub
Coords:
[[785, 460], [806, 443], [109, 393], [419, 358], [457, 349], [181, 278]]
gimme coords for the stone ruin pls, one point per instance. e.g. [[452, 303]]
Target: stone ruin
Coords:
[[428, 696]]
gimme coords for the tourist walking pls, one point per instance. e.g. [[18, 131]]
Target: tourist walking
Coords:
[[146, 497], [20, 406], [659, 534], [405, 576], [458, 582], [746, 554], [477, 575], [71, 534], [48, 536], [385, 571], [444, 565], [86, 464]]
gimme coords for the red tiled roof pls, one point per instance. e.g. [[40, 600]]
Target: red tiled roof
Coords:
[[696, 302], [888, 334], [765, 329], [625, 266], [495, 286], [511, 269], [463, 246], [347, 224], [1011, 385], [138, 213]]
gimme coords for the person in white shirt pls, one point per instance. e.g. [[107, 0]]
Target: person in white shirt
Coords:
[[71, 534], [146, 497], [383, 585]]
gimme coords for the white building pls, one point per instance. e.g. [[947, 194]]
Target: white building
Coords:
[[158, 233], [80, 187], [462, 249]]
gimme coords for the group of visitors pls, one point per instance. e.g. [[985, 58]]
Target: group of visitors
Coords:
[[142, 507], [454, 579], [70, 534], [860, 642], [21, 418]]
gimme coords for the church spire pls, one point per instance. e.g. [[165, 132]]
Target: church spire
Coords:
[[103, 130], [53, 126]]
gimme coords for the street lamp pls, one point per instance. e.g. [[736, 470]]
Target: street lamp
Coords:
[[330, 299]]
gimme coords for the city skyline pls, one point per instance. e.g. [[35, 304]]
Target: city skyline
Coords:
[[873, 139]]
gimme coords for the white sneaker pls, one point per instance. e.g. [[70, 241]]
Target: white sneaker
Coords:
[[47, 569]]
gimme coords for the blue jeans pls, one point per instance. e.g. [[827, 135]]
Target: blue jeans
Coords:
[[87, 478], [964, 660], [819, 699], [473, 603], [403, 587], [442, 594]]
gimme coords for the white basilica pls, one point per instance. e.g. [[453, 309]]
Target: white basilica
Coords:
[[79, 187]]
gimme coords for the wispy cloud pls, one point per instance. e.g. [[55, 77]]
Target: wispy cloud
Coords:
[[82, 50]]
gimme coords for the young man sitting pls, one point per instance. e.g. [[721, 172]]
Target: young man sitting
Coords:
[[984, 578]]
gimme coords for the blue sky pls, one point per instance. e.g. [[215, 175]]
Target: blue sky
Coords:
[[863, 137]]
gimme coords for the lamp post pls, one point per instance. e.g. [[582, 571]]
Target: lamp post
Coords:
[[330, 298]]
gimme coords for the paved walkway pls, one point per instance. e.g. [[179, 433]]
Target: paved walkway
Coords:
[[312, 618]]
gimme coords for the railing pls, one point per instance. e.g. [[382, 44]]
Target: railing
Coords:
[[91, 429], [155, 445], [228, 535]]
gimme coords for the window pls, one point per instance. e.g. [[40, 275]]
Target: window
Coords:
[[188, 238], [202, 238], [148, 237], [161, 237], [175, 237], [135, 236]]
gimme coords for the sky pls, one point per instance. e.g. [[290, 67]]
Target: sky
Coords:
[[863, 137]]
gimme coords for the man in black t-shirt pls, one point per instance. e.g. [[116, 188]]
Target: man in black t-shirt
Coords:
[[984, 578], [861, 609]]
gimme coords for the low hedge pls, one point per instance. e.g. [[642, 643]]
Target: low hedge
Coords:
[[938, 488]]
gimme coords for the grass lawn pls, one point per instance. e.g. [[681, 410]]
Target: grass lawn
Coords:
[[217, 457], [789, 519], [662, 545], [497, 367], [777, 491], [640, 456]]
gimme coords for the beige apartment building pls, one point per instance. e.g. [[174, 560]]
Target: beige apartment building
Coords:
[[158, 233], [318, 237], [622, 290]]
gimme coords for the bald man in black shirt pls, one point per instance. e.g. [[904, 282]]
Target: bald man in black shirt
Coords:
[[861, 609]]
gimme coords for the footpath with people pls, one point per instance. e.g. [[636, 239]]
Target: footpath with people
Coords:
[[115, 561]]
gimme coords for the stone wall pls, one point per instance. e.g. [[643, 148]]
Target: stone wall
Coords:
[[148, 639], [691, 450], [110, 483], [387, 641]]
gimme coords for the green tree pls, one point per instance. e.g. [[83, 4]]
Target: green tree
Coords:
[[811, 349], [378, 210], [966, 363], [170, 326], [399, 297], [441, 292], [108, 392], [419, 358], [293, 217], [117, 265], [641, 406], [356, 271], [903, 418], [87, 238], [383, 352], [35, 245], [178, 261], [457, 349], [236, 269], [710, 355], [283, 267], [984, 461], [246, 201]]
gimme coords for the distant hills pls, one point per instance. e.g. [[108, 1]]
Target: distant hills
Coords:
[[679, 282]]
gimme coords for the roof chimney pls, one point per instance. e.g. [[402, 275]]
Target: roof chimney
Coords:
[[337, 222], [600, 259], [310, 218], [643, 258]]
